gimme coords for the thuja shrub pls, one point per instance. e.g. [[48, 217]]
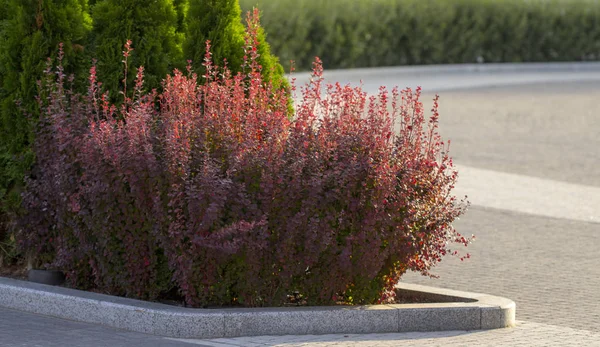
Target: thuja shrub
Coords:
[[220, 21], [30, 30], [151, 25], [219, 194]]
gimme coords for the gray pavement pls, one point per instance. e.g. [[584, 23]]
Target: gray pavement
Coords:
[[548, 266], [550, 131], [20, 329], [527, 194], [525, 334]]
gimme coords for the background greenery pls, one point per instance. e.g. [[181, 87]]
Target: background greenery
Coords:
[[367, 33]]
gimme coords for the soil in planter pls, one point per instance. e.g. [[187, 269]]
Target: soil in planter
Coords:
[[404, 298], [297, 300], [19, 271], [15, 271]]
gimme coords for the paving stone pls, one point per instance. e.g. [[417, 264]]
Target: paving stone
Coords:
[[524, 334]]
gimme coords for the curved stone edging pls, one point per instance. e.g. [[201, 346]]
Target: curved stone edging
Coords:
[[486, 312]]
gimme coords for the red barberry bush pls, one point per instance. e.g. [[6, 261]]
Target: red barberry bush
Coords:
[[212, 190]]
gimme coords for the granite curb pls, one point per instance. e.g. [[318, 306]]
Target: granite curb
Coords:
[[476, 312]]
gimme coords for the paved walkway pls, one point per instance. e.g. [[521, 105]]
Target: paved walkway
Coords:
[[539, 143], [524, 334]]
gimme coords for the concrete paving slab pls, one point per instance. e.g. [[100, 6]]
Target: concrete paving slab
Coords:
[[525, 334], [22, 329], [550, 131], [532, 195]]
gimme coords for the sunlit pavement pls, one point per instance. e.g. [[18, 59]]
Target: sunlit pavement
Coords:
[[524, 334]]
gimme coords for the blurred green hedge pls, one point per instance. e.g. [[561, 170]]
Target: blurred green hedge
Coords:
[[366, 33]]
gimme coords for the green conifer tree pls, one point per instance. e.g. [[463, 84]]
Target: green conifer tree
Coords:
[[220, 21], [152, 28], [30, 31], [272, 69], [181, 6]]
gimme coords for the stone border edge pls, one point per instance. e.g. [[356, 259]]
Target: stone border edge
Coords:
[[482, 312]]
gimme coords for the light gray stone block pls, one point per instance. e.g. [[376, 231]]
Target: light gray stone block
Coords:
[[439, 318], [500, 313], [314, 321]]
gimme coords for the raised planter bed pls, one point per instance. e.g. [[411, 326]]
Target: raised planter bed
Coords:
[[460, 311]]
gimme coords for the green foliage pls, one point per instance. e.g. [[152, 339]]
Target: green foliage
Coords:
[[220, 22], [351, 33], [3, 6], [271, 69], [30, 31], [150, 25], [181, 6]]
